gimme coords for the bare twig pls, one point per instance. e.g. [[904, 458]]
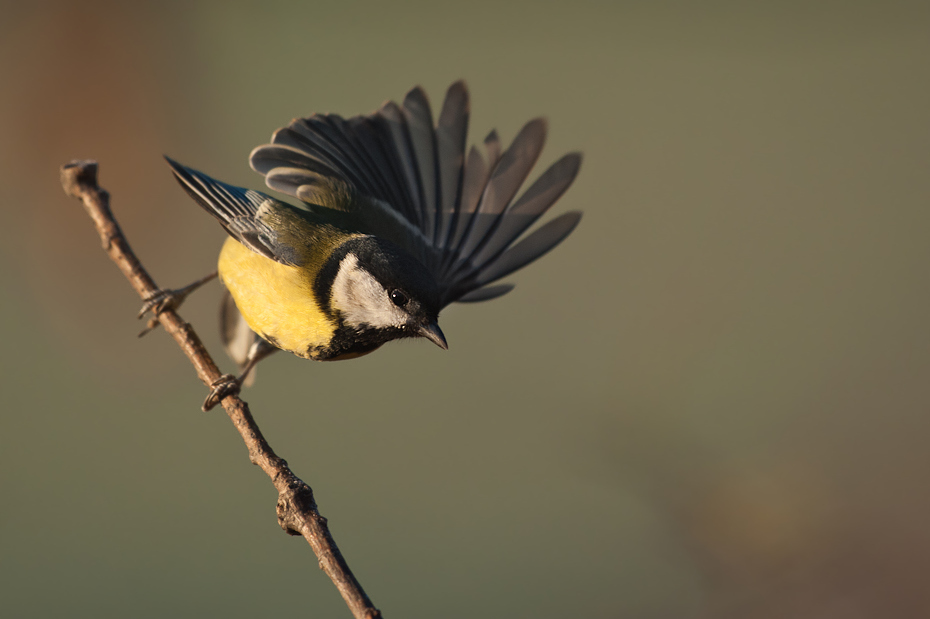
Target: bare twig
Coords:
[[297, 511]]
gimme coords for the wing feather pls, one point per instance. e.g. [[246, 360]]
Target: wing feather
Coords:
[[511, 170], [534, 202], [492, 144], [473, 183], [530, 248], [451, 136], [485, 294], [423, 142], [394, 127]]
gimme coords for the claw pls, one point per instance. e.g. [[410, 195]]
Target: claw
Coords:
[[151, 324], [165, 299], [160, 300], [225, 385]]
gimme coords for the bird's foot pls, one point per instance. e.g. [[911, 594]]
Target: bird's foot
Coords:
[[165, 299], [225, 385]]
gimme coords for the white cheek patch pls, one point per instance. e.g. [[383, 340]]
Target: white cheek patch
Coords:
[[362, 299]]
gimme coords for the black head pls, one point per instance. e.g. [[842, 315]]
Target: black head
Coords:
[[381, 293]]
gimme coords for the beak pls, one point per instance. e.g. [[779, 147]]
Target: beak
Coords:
[[433, 333]]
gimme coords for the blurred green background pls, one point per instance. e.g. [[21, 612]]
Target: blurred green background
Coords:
[[710, 401]]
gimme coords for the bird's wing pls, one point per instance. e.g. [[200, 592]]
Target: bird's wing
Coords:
[[406, 179], [247, 215]]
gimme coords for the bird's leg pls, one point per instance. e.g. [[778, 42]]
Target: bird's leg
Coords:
[[165, 299], [227, 384], [258, 351]]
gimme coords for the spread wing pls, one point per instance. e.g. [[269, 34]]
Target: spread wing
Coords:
[[404, 178]]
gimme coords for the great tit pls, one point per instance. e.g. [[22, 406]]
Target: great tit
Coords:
[[395, 222]]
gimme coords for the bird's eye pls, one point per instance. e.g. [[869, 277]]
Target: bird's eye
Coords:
[[399, 298]]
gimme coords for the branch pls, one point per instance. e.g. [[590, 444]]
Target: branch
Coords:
[[297, 511]]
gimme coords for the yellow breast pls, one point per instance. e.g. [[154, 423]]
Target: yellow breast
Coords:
[[276, 300]]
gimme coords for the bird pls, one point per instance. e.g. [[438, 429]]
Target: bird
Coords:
[[395, 220]]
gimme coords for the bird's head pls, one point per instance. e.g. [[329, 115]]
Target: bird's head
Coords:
[[381, 292]]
